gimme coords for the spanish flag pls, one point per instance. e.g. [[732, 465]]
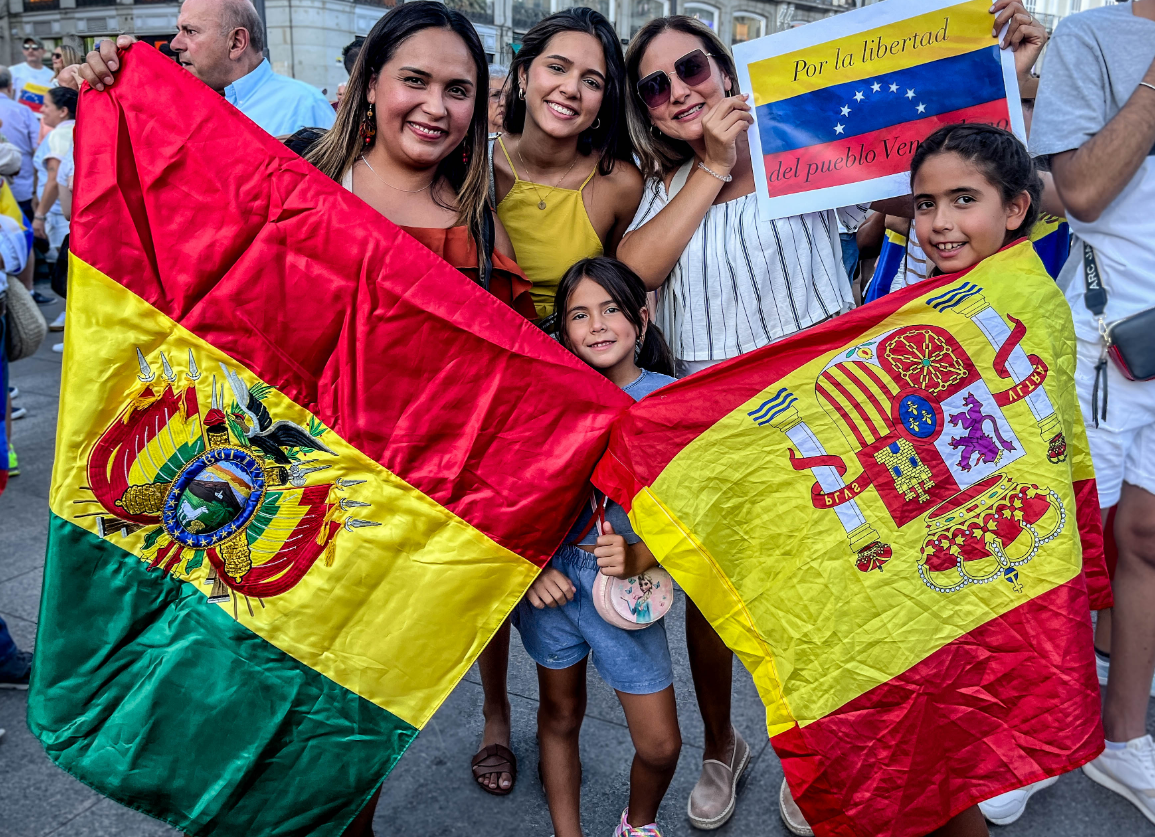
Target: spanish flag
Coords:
[[892, 520], [855, 108], [304, 470]]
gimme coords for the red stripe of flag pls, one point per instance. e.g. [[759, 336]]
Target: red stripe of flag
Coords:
[[978, 699], [397, 352], [866, 156]]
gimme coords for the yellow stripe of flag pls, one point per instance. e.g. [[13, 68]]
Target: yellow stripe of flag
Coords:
[[918, 40], [376, 617]]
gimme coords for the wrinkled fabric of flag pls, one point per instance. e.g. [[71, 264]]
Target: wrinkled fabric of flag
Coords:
[[304, 470], [891, 518]]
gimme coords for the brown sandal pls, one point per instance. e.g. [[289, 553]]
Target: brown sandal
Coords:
[[494, 759]]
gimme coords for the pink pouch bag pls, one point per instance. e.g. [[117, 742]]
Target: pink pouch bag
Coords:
[[631, 603]]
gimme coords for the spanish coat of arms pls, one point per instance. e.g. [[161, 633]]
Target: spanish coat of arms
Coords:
[[932, 439]]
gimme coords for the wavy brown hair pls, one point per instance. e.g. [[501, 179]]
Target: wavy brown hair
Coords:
[[658, 153], [609, 140], [465, 167]]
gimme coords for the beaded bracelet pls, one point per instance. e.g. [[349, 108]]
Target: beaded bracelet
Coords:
[[725, 178]]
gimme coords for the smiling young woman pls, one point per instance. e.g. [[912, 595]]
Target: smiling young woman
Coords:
[[410, 140], [564, 179]]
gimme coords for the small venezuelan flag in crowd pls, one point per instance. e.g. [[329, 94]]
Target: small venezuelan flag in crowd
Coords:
[[294, 465], [855, 108], [892, 519], [32, 96]]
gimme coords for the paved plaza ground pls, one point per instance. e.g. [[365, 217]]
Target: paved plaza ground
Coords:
[[431, 791]]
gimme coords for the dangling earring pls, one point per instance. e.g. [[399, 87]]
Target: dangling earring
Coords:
[[656, 132], [597, 124], [638, 347], [521, 93], [369, 126]]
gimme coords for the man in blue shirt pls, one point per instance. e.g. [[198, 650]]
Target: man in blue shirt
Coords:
[[222, 43], [22, 130]]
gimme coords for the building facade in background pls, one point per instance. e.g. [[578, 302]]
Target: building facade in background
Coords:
[[306, 36]]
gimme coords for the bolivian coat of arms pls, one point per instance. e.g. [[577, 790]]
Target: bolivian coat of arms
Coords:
[[231, 485], [931, 438]]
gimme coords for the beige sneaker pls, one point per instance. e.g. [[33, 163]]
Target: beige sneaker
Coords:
[[792, 814], [714, 798]]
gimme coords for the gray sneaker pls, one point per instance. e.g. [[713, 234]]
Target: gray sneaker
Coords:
[[714, 798]]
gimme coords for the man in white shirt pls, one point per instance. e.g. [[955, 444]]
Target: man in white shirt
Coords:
[[1095, 121], [222, 43], [31, 80], [22, 130]]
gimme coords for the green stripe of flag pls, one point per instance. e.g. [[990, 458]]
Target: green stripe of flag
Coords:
[[149, 694]]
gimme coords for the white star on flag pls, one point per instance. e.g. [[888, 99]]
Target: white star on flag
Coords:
[[839, 128], [921, 108], [909, 93], [875, 87], [858, 97], [846, 110], [894, 88]]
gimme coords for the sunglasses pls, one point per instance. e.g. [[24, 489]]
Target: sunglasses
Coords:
[[57, 55], [693, 68]]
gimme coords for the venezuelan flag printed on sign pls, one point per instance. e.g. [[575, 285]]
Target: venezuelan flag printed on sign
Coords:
[[892, 519], [296, 474], [841, 111]]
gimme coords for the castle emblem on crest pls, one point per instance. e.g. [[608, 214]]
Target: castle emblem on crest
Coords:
[[932, 440], [233, 486]]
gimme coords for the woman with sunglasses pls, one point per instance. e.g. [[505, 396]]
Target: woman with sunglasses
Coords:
[[730, 282], [63, 56], [565, 184]]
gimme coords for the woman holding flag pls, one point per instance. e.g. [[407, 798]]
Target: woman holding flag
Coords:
[[730, 281]]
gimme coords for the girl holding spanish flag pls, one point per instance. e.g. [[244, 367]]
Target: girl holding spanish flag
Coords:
[[731, 281]]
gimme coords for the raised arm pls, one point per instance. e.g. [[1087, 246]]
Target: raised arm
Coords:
[[654, 248], [1091, 176]]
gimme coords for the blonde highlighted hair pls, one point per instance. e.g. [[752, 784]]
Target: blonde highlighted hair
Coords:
[[657, 153]]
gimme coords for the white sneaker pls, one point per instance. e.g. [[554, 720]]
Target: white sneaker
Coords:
[[1129, 772], [58, 348], [1005, 808], [1103, 668], [58, 323]]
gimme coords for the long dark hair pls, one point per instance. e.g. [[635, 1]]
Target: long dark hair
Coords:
[[626, 289], [610, 139], [465, 168], [1001, 157], [658, 153]]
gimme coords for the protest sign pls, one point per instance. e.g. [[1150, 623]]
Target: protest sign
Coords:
[[842, 104]]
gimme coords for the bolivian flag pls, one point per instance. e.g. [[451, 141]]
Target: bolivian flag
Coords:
[[837, 113], [304, 469], [892, 519]]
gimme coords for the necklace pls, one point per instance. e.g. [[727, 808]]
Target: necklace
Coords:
[[540, 199], [390, 185]]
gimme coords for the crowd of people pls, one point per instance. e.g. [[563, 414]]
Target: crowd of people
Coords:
[[610, 198]]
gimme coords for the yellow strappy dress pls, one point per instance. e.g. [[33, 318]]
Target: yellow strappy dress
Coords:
[[547, 241]]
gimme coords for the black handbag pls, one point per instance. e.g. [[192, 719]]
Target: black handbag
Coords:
[[1129, 342]]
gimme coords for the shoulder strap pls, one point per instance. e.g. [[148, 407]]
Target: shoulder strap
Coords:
[[588, 179], [1095, 297], [680, 178], [508, 159]]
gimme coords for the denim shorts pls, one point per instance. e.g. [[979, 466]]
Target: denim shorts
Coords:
[[634, 662]]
